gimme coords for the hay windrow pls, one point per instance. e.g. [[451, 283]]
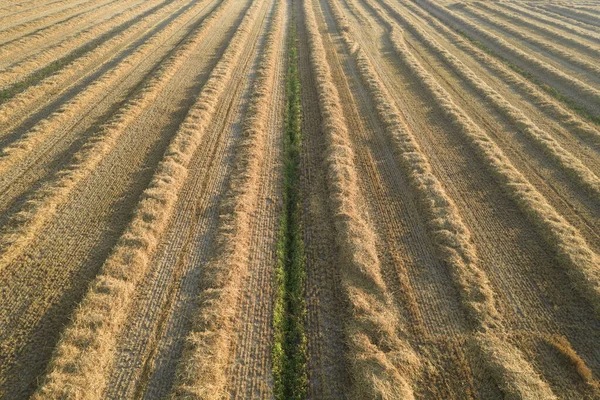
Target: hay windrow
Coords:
[[202, 372], [86, 348], [451, 237], [379, 359], [571, 250], [22, 227]]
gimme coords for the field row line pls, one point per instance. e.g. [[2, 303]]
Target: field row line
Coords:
[[202, 372], [449, 233], [43, 21], [14, 49], [89, 341], [69, 46], [584, 90], [289, 347], [50, 84], [554, 49], [572, 252], [23, 226], [531, 7], [379, 358], [537, 27], [42, 136], [586, 179], [523, 12], [545, 102], [571, 13], [445, 226]]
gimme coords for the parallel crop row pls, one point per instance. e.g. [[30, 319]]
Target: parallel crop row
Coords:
[[202, 372], [535, 94], [571, 12], [569, 163], [86, 348], [538, 67], [37, 23], [548, 32], [12, 50], [572, 251], [551, 48], [451, 236], [21, 97], [68, 48], [532, 7], [36, 211], [531, 15], [380, 360]]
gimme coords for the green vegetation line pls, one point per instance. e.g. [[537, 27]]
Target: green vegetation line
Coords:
[[289, 347]]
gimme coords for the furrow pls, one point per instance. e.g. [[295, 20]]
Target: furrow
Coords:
[[562, 37], [17, 24], [326, 311], [24, 66], [29, 96], [571, 13], [15, 50], [565, 160], [202, 370], [139, 350], [520, 12], [543, 101], [553, 50], [198, 215], [250, 369]]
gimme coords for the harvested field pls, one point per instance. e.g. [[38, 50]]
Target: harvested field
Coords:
[[299, 199]]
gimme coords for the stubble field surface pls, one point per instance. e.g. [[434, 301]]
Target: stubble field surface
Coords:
[[322, 199]]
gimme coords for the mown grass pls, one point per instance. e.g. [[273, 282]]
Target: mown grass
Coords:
[[552, 91], [39, 75], [289, 347]]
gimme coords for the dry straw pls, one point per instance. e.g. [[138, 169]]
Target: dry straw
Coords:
[[548, 32], [20, 22], [572, 13], [541, 99], [202, 371], [380, 361], [86, 349], [21, 104], [565, 160], [573, 253], [23, 226], [542, 69], [452, 238], [538, 16], [571, 249], [567, 55], [13, 50]]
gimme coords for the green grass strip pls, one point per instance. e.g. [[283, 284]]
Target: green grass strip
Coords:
[[551, 90], [289, 347]]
